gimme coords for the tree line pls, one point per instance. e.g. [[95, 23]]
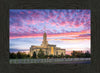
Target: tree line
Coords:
[[18, 55], [74, 54]]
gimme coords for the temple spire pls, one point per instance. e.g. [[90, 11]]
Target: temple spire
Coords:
[[44, 28], [44, 42]]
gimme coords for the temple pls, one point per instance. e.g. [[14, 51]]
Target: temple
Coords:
[[48, 49]]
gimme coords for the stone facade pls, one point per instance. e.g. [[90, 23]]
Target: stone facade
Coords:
[[48, 49]]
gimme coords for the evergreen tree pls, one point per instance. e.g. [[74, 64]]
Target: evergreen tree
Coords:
[[41, 54], [34, 54]]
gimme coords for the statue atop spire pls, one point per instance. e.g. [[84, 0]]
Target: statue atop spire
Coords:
[[44, 28]]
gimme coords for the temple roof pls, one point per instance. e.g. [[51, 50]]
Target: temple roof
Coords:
[[38, 47], [51, 45]]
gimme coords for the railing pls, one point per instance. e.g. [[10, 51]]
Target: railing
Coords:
[[22, 61]]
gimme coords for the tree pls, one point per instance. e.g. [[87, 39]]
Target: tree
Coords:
[[46, 56], [62, 55], [87, 54], [67, 56], [51, 56], [77, 54], [80, 54], [73, 54], [58, 56], [55, 56], [41, 54], [28, 56], [19, 55], [12, 55], [34, 55], [23, 55]]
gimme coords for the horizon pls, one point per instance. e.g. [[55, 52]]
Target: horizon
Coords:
[[67, 52], [65, 28]]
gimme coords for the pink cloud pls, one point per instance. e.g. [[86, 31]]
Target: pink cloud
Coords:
[[53, 23], [27, 36], [68, 52], [63, 23], [21, 12], [27, 31], [59, 18], [29, 12]]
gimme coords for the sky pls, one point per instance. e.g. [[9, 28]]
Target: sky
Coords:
[[66, 28]]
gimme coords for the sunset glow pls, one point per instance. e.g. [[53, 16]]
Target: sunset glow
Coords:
[[66, 28]]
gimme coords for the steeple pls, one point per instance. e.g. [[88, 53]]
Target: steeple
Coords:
[[44, 37], [44, 42]]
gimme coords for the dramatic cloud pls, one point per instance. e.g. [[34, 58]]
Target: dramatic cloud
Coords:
[[71, 24]]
